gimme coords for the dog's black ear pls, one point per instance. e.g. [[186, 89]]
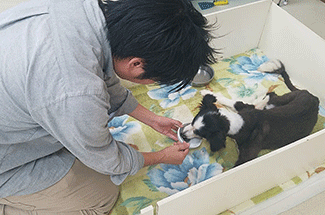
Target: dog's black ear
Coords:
[[217, 141], [207, 102]]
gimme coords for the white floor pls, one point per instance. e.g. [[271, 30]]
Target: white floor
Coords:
[[313, 206]]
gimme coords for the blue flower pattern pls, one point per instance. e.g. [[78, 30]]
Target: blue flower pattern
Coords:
[[120, 129], [194, 169], [248, 66], [169, 97]]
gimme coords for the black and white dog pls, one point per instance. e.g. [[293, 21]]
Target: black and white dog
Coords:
[[272, 123]]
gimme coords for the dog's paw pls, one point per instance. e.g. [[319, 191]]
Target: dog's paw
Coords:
[[262, 104], [272, 66], [206, 92]]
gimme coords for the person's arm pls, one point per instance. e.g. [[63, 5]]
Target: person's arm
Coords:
[[174, 154], [161, 124]]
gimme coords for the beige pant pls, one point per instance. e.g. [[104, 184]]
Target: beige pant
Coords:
[[81, 191]]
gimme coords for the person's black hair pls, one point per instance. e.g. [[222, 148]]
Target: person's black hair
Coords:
[[170, 35]]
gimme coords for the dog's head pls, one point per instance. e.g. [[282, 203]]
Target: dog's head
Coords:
[[209, 124]]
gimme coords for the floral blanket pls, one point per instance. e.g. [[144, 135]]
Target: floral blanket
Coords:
[[235, 78]]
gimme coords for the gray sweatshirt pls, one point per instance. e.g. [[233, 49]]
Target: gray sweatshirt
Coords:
[[58, 91]]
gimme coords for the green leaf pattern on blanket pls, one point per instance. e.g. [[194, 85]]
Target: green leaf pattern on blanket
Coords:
[[226, 81], [138, 203], [150, 185], [244, 91]]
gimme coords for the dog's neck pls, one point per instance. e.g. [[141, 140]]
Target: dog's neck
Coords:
[[236, 122]]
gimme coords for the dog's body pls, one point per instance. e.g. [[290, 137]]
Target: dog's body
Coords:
[[271, 124]]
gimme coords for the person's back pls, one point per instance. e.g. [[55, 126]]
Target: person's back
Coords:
[[59, 89]]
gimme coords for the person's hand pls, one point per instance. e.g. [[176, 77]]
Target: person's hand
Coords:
[[167, 126], [174, 154], [163, 125]]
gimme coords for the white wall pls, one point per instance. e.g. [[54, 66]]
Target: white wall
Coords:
[[301, 50], [239, 29]]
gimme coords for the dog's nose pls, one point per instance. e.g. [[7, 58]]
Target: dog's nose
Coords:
[[187, 132], [185, 137]]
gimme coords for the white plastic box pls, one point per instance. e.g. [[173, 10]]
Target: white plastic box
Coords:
[[264, 25]]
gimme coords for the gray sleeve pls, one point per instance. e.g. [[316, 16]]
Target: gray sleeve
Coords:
[[80, 124], [121, 99]]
